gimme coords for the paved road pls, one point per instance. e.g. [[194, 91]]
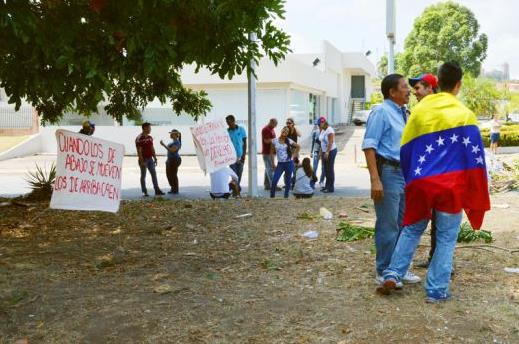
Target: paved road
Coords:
[[351, 181]]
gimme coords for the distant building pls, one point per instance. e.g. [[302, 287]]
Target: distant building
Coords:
[[329, 83]]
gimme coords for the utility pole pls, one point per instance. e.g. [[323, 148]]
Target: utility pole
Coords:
[[253, 156], [390, 33]]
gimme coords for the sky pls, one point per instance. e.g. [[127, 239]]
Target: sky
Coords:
[[360, 25]]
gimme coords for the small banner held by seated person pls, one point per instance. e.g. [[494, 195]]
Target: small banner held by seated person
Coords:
[[213, 144], [88, 173]]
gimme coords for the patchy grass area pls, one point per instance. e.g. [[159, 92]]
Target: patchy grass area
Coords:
[[192, 272]]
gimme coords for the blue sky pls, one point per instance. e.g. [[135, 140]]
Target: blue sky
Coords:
[[359, 25]]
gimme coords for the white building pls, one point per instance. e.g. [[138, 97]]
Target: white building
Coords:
[[330, 83]]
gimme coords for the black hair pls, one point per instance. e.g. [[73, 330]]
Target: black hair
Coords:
[[426, 84], [145, 124], [449, 74], [390, 82], [230, 118]]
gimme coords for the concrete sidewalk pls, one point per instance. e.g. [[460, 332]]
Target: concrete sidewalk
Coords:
[[351, 181]]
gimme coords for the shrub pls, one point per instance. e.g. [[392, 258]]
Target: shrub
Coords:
[[509, 136], [41, 182]]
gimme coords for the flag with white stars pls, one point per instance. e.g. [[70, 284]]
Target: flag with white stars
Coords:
[[443, 161]]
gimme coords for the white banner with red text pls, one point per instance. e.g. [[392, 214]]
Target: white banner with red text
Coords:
[[88, 173], [213, 144]]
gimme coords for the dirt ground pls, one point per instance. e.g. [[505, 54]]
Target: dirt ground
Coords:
[[192, 272]]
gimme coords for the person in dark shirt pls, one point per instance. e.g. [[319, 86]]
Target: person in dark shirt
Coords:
[[147, 159], [267, 135]]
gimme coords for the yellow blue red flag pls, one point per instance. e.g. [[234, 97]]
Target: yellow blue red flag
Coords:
[[443, 161]]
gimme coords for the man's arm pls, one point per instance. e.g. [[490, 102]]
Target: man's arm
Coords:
[[377, 190], [244, 149], [154, 156]]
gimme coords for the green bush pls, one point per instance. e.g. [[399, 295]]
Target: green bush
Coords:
[[509, 136]]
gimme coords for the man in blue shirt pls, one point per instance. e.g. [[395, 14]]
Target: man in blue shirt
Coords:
[[239, 141], [381, 146]]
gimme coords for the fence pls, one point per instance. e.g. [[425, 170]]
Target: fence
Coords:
[[21, 122]]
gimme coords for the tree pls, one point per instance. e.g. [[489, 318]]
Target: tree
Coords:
[[480, 95], [62, 55], [444, 32]]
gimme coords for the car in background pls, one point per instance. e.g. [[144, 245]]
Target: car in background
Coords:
[[360, 117]]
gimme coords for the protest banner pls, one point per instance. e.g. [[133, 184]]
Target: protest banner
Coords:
[[88, 173], [213, 144]]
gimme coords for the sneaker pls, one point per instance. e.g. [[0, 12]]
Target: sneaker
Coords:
[[145, 194], [411, 278], [380, 280], [438, 298], [387, 287], [327, 191], [159, 193]]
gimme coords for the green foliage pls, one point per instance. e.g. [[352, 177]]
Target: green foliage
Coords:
[[513, 103], [71, 55], [467, 234], [480, 95], [41, 182], [376, 98], [348, 232], [509, 136], [444, 32]]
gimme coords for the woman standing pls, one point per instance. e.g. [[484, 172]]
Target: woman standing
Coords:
[[305, 179], [174, 160], [315, 152], [286, 150], [495, 132], [328, 153]]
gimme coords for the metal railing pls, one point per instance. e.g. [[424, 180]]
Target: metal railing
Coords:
[[11, 119]]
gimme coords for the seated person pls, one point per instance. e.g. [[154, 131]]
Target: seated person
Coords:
[[305, 179], [223, 182]]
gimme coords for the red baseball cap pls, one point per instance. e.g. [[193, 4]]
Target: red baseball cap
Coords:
[[322, 119], [428, 78]]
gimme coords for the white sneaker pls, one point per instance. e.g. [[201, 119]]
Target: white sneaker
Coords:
[[379, 279], [411, 278]]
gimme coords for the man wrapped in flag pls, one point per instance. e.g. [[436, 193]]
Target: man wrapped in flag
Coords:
[[443, 162]]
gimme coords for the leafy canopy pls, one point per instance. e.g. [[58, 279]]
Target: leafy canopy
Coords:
[[63, 55], [480, 95], [444, 32]]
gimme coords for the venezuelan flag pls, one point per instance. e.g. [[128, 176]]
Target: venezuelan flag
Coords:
[[443, 161]]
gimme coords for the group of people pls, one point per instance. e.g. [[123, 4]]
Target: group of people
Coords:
[[427, 164], [299, 175]]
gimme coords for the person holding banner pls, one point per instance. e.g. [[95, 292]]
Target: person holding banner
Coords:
[[147, 159], [174, 160], [286, 150], [239, 141]]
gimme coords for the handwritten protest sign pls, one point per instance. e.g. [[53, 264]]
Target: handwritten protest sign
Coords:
[[88, 173], [213, 144]]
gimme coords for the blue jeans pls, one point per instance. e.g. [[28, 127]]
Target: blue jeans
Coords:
[[237, 167], [329, 170], [390, 213], [440, 267], [150, 165], [287, 168], [269, 170], [315, 165]]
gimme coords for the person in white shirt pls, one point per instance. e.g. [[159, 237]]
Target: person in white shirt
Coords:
[[223, 181], [328, 154], [286, 150], [305, 178], [495, 132]]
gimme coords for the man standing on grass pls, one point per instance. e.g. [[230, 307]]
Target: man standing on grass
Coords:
[[267, 135], [147, 159], [424, 85], [381, 146], [443, 163], [239, 141]]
